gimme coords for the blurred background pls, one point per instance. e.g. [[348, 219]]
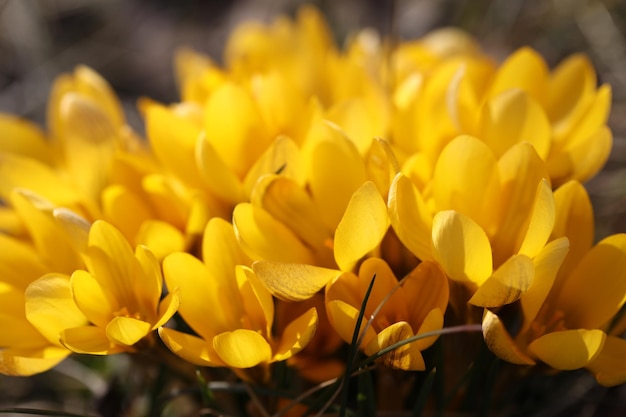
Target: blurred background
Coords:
[[131, 44]]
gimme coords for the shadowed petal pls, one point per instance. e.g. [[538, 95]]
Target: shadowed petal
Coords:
[[590, 303], [407, 357], [500, 342], [546, 264], [609, 366], [297, 335]]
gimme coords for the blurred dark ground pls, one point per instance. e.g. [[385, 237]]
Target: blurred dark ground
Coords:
[[131, 44]]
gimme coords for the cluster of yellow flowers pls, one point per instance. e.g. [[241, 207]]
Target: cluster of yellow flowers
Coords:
[[263, 204]]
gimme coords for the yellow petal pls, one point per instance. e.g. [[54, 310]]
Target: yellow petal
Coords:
[[22, 137], [410, 217], [426, 288], [88, 143], [513, 117], [190, 348], [466, 180], [282, 156], [297, 335], [242, 348], [461, 247], [19, 171], [574, 219], [164, 199], [362, 226], [292, 205], [75, 227], [521, 171], [18, 362], [572, 88], [200, 294], [257, 301], [546, 264], [609, 367], [50, 307], [90, 298], [595, 117], [113, 263], [541, 221], [90, 84], [406, 357], [381, 165], [90, 340], [501, 343], [127, 330], [124, 209], [167, 308], [507, 284], [263, 237], [149, 282], [234, 127], [220, 249], [281, 104], [173, 140], [23, 334], [343, 318], [293, 282], [161, 237], [432, 322], [361, 119], [590, 303], [590, 156], [20, 264], [335, 170], [524, 69], [569, 349], [48, 237], [217, 176]]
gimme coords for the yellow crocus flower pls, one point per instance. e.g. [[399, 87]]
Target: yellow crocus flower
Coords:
[[575, 306], [35, 266], [519, 100], [482, 219], [118, 293], [391, 314], [229, 309]]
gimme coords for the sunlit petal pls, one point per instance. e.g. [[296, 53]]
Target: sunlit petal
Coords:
[[362, 227], [127, 330], [190, 348], [242, 348], [410, 217], [582, 347], [294, 282], [461, 247]]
